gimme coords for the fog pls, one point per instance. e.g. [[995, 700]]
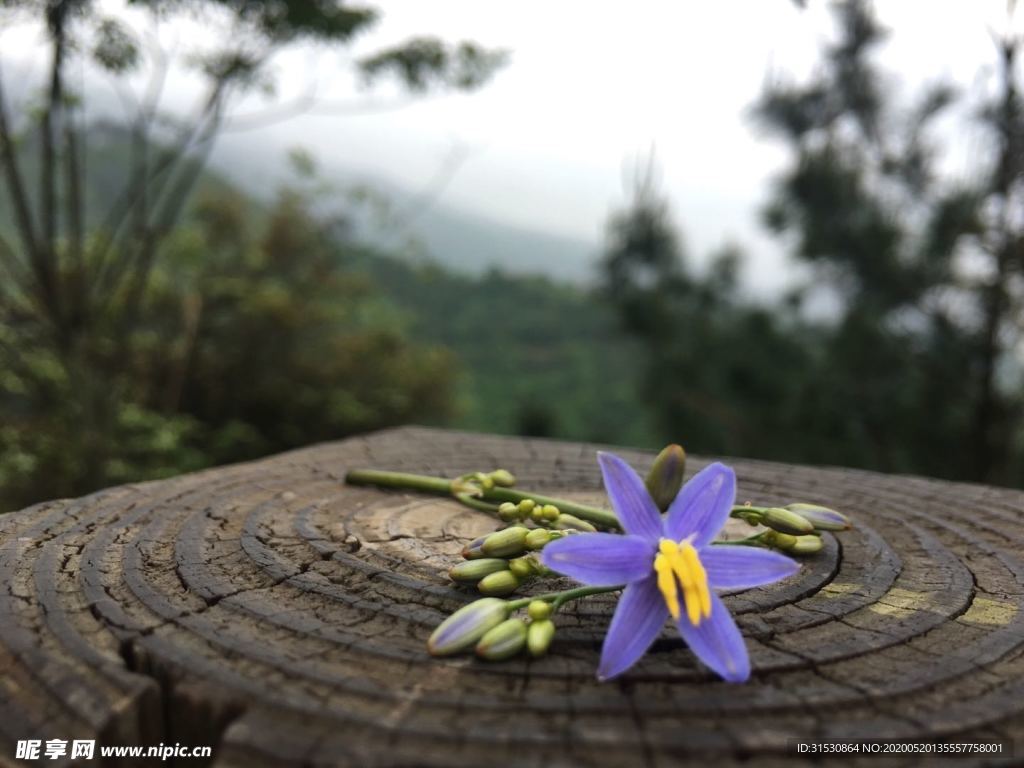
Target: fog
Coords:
[[590, 91]]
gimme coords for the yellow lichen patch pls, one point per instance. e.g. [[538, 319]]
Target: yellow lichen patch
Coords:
[[991, 613], [838, 589], [678, 565], [902, 602]]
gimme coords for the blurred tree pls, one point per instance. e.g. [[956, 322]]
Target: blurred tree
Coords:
[[536, 356], [73, 316], [918, 372], [916, 367], [274, 341], [250, 338], [713, 360]]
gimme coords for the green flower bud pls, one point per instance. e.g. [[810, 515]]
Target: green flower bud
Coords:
[[498, 584], [466, 626], [541, 570], [537, 514], [474, 550], [538, 609], [482, 481], [537, 538], [526, 506], [666, 476], [503, 641], [822, 518], [522, 567], [471, 571], [506, 543], [806, 545], [503, 478], [509, 512], [785, 521], [462, 485], [550, 512], [783, 541], [539, 636], [569, 522]]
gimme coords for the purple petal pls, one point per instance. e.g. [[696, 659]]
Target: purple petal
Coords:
[[703, 506], [601, 559], [718, 643], [632, 503], [638, 618], [742, 567]]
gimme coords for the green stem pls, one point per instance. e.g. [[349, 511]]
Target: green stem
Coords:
[[442, 486], [385, 479], [560, 598], [475, 503], [750, 541], [746, 514], [602, 517]]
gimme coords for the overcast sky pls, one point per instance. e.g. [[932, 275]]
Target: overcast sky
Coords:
[[591, 87]]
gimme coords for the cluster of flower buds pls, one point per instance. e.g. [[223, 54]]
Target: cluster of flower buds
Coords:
[[476, 482], [794, 519], [545, 515], [795, 528], [500, 562], [488, 626]]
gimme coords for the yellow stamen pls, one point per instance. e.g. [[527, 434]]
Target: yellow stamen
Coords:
[[687, 578], [700, 577], [678, 565], [667, 582]]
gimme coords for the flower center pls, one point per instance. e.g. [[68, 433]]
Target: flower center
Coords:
[[678, 565]]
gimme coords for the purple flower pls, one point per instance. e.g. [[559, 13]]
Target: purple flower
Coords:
[[669, 569]]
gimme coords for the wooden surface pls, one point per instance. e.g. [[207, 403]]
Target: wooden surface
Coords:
[[274, 613]]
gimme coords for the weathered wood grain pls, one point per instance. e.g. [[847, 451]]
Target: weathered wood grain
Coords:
[[274, 613]]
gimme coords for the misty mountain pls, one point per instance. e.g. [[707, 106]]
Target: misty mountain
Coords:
[[473, 244], [419, 225]]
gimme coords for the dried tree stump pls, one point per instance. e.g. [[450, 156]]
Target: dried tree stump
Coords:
[[280, 616]]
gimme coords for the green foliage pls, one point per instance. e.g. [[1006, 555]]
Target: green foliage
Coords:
[[425, 61], [537, 358], [712, 360], [290, 344], [135, 346], [916, 371], [115, 48], [911, 361], [249, 341], [287, 20]]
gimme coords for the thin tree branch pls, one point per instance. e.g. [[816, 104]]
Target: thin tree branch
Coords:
[[168, 208], [13, 265], [74, 172], [145, 182], [255, 120], [15, 183], [52, 114]]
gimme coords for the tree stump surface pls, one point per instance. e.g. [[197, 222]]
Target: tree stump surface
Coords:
[[280, 616]]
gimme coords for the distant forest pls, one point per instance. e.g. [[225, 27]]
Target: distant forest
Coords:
[[155, 318]]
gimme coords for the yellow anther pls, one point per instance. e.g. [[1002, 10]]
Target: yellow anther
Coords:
[[700, 578], [667, 584], [678, 565]]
